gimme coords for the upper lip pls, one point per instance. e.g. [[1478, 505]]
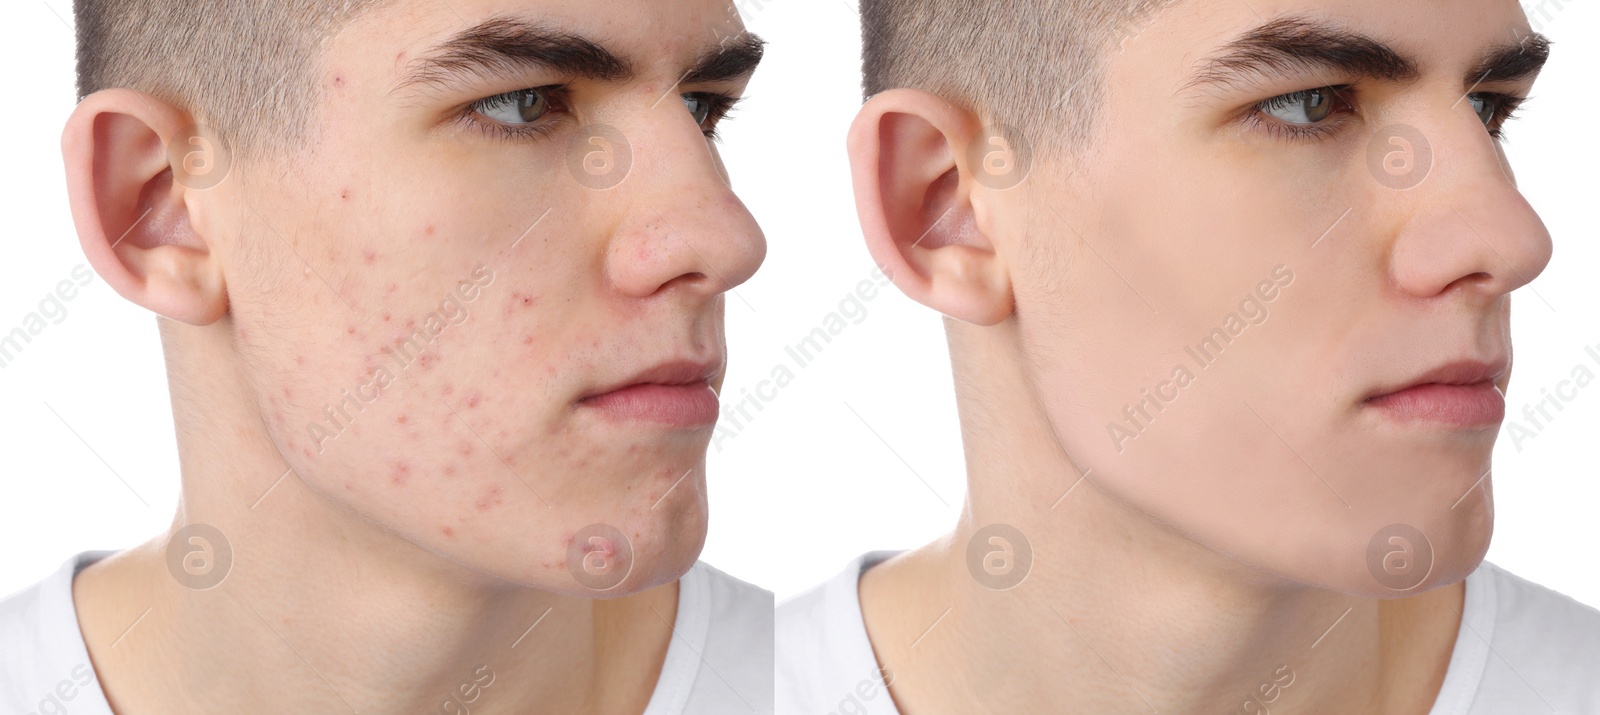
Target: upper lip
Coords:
[[670, 372], [1458, 372]]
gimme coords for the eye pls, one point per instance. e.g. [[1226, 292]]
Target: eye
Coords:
[[524, 106], [699, 106], [1484, 105], [1302, 108], [708, 108], [1494, 109]]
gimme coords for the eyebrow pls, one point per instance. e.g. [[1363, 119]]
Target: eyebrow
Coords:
[[1299, 44], [506, 45], [1508, 63], [735, 57]]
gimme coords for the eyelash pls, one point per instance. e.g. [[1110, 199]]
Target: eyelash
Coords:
[[557, 96], [1506, 106], [1505, 110]]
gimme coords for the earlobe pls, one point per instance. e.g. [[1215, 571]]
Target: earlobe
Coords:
[[915, 202], [137, 226]]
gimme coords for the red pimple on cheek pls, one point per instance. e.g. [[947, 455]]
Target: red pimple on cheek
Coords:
[[491, 498], [447, 531], [344, 194], [369, 255], [527, 340], [338, 80], [473, 398], [428, 229], [402, 419], [465, 449]]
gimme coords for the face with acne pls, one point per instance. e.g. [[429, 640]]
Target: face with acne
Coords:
[[1327, 233], [484, 309]]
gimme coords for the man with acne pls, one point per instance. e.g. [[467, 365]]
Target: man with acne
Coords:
[[440, 287], [1084, 190]]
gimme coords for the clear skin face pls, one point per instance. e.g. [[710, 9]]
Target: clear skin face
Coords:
[[1256, 490], [457, 487]]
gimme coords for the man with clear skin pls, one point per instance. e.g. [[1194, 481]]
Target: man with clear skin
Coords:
[[1230, 333], [442, 307]]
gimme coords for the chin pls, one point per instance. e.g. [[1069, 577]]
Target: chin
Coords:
[[648, 548]]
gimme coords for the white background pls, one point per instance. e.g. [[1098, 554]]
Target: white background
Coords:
[[862, 450]]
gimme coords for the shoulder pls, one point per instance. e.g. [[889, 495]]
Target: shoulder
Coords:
[[1528, 647], [44, 665], [740, 613], [725, 625], [824, 658]]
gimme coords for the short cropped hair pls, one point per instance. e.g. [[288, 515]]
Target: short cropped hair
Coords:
[[245, 68], [1034, 65]]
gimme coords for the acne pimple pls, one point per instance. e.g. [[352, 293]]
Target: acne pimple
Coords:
[[448, 389], [385, 317], [473, 398], [370, 255], [491, 498], [350, 330], [402, 419], [344, 194], [428, 229], [426, 360], [527, 340], [338, 80], [447, 531]]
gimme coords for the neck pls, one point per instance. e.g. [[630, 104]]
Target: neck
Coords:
[[1122, 613], [321, 610]]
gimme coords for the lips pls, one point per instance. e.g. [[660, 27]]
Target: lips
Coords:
[[1459, 394], [675, 394]]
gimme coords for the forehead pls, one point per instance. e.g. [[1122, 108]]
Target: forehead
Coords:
[[654, 36]]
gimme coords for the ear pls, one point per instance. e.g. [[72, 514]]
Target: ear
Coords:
[[914, 196], [135, 167]]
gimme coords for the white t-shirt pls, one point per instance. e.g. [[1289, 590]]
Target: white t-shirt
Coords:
[[719, 661], [1522, 650]]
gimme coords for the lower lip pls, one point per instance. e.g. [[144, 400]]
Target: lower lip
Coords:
[[1465, 406], [671, 405]]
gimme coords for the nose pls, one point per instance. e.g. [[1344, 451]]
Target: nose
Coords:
[[1468, 227], [683, 227]]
